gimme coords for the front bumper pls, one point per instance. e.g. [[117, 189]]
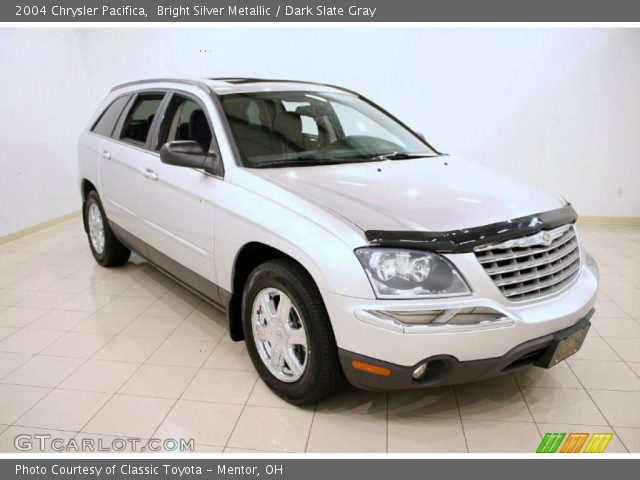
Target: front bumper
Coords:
[[483, 351], [447, 370]]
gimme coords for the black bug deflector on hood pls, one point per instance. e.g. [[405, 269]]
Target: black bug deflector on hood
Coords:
[[465, 240]]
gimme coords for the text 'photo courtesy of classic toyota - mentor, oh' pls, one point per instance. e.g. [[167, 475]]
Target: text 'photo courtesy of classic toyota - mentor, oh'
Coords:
[[342, 246]]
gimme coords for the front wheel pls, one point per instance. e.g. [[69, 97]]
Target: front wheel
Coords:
[[288, 333]]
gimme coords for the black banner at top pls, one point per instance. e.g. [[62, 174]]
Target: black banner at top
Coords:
[[319, 11]]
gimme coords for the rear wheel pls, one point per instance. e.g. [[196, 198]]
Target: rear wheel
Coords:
[[288, 333], [105, 247]]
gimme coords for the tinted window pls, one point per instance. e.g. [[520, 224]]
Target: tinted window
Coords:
[[138, 122], [185, 120], [107, 121]]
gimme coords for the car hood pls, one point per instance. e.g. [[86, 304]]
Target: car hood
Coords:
[[429, 194]]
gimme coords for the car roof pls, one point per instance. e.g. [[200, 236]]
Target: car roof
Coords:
[[230, 85]]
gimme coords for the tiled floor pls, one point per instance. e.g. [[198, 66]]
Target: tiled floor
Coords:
[[96, 353]]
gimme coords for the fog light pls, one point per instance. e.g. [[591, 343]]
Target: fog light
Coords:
[[419, 372]]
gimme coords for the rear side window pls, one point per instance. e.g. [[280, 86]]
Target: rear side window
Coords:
[[107, 121], [140, 117]]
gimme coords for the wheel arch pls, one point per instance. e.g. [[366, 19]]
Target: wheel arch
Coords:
[[249, 256]]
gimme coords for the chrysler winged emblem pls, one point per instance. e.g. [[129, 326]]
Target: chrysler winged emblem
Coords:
[[545, 239]]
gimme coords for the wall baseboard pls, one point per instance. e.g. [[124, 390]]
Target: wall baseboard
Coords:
[[591, 220], [38, 227]]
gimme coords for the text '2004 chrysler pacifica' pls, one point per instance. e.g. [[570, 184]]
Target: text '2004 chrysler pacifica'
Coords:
[[340, 244]]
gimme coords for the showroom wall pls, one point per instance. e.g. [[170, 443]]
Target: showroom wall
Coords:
[[43, 101], [556, 106]]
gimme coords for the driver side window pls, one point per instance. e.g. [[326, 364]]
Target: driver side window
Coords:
[[185, 119]]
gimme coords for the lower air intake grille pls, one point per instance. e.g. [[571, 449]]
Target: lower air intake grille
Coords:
[[534, 266]]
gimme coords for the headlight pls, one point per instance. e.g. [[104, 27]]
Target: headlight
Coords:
[[396, 273]]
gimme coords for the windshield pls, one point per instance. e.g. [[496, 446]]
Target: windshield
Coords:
[[310, 128]]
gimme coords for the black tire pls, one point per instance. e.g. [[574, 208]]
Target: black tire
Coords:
[[323, 374], [114, 252]]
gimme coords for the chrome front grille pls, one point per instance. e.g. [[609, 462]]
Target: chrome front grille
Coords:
[[533, 266]]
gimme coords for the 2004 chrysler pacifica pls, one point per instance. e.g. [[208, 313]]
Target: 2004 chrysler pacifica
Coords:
[[339, 243]]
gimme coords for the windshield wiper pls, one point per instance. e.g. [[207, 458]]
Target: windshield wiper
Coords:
[[306, 161], [402, 156]]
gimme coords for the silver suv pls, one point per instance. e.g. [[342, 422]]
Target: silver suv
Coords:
[[340, 244]]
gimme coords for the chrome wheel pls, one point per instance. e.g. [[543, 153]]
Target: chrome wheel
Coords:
[[96, 228], [279, 334]]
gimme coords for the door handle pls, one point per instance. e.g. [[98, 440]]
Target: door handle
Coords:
[[106, 155], [150, 174]]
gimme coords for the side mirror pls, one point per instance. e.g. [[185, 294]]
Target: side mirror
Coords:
[[189, 153], [421, 135]]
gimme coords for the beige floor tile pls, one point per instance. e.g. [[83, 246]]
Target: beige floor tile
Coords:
[[15, 400], [159, 381], [146, 289], [559, 376], [77, 345], [562, 405], [614, 446], [168, 306], [151, 327], [10, 361], [595, 348], [486, 436], [34, 440], [617, 327], [347, 433], [7, 332], [631, 308], [206, 423], [100, 376], [130, 415], [230, 356], [354, 400], [67, 285], [33, 283], [202, 448], [630, 437], [262, 396], [621, 409], [608, 309], [9, 297], [432, 402], [199, 327], [274, 429], [43, 371], [221, 386], [18, 317], [627, 348], [245, 450], [86, 302], [105, 322], [485, 402], [185, 353], [127, 305], [63, 320], [29, 340], [425, 435], [635, 367], [595, 374], [45, 300], [128, 349], [64, 410]]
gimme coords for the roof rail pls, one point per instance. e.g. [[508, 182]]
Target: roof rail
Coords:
[[195, 83], [240, 80]]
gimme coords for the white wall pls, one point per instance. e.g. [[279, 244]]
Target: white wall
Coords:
[[43, 102], [559, 107]]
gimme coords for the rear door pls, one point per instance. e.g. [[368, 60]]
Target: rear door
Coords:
[[121, 161]]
